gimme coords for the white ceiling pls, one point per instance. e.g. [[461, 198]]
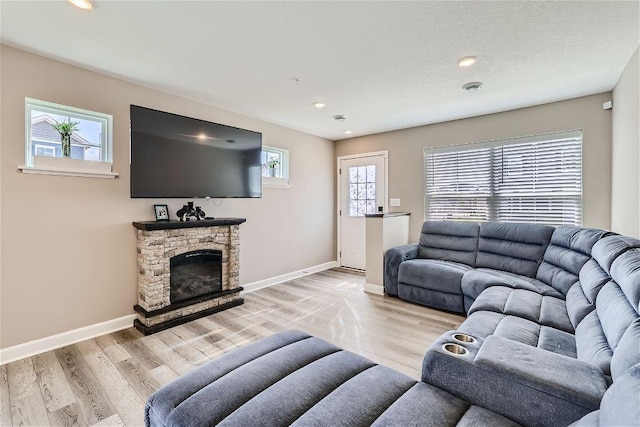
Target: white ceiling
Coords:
[[385, 65]]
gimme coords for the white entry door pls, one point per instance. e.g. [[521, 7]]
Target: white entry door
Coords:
[[362, 182]]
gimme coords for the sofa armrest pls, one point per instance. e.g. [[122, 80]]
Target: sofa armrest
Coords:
[[392, 259], [527, 384]]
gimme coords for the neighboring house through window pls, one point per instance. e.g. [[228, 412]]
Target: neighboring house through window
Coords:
[[529, 179], [44, 135]]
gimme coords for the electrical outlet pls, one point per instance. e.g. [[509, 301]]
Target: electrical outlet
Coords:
[[394, 202]]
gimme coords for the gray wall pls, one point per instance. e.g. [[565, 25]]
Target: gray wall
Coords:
[[68, 247], [406, 170], [625, 186]]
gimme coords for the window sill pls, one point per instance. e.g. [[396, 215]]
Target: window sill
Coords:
[[268, 181], [69, 167]]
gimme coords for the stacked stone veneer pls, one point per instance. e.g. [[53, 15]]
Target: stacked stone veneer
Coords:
[[157, 247]]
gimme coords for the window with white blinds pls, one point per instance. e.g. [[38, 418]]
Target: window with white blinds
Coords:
[[529, 179]]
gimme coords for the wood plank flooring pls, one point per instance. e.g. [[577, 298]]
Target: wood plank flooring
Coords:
[[105, 381]]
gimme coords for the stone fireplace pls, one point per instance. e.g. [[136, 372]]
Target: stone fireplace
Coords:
[[186, 270]]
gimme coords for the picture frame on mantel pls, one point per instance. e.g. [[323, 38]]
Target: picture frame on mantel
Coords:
[[162, 212]]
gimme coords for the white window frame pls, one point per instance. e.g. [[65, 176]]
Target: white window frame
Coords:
[[46, 147], [68, 166], [283, 179], [494, 195]]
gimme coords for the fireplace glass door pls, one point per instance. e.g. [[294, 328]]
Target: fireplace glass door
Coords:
[[194, 274]]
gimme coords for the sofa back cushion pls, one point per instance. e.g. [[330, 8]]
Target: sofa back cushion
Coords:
[[514, 247], [449, 241], [607, 250], [627, 353], [595, 273], [620, 405], [625, 270], [581, 298], [617, 307], [568, 251]]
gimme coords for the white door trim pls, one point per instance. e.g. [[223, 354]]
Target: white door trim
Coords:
[[385, 155]]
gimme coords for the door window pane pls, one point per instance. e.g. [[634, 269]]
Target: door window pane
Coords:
[[362, 190]]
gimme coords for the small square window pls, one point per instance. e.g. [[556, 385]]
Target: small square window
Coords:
[[92, 141], [275, 166]]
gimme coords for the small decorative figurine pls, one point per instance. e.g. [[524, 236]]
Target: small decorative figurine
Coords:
[[188, 211], [201, 214], [181, 214]]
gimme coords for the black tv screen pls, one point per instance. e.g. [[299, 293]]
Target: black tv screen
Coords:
[[178, 156]]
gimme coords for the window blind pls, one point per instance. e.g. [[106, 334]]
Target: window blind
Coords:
[[531, 179]]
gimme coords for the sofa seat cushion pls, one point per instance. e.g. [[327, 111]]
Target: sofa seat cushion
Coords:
[[435, 274], [413, 409], [481, 324], [543, 310], [476, 281]]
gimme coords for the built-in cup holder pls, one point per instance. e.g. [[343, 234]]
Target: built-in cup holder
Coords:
[[455, 349], [464, 338]]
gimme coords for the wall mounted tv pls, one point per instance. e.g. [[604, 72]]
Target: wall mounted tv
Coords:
[[178, 156]]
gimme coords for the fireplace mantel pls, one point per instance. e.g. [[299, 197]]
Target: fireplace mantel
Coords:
[[158, 242], [172, 225]]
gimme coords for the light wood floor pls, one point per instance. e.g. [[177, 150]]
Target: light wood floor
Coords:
[[105, 381]]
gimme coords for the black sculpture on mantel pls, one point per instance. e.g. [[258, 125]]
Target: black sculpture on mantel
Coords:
[[187, 212]]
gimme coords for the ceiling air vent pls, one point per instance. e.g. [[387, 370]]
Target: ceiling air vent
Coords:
[[472, 87]]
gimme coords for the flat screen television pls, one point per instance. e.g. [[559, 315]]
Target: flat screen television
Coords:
[[176, 156]]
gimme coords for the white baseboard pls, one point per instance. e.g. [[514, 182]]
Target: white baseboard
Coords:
[[374, 289], [31, 348], [254, 286]]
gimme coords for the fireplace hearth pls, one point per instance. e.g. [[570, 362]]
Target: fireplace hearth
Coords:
[[186, 270]]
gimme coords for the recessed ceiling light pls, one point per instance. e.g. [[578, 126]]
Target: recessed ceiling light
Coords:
[[202, 137], [347, 132], [472, 87], [319, 105], [467, 61], [82, 4]]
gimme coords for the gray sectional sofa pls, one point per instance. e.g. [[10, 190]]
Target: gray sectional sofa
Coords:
[[552, 338], [454, 262]]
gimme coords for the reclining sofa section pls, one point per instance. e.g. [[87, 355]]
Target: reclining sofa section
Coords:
[[293, 378], [454, 262]]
